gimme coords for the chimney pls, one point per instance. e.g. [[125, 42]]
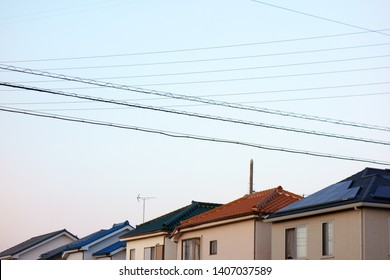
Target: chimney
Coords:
[[251, 177]]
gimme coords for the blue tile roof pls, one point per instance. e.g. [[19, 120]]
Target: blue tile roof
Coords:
[[83, 241], [109, 249], [369, 185], [168, 221], [33, 242]]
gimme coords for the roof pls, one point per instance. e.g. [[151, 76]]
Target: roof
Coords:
[[367, 186], [78, 244], [34, 241], [109, 250], [167, 222], [259, 203]]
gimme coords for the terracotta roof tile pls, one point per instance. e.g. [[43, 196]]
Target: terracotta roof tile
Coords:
[[261, 203]]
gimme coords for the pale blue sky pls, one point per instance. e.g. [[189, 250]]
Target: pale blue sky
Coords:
[[56, 174]]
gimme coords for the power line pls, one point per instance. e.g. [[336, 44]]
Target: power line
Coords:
[[248, 68], [191, 49], [210, 59], [226, 80], [221, 94], [189, 136], [191, 98], [247, 78], [319, 17], [197, 115], [189, 105]]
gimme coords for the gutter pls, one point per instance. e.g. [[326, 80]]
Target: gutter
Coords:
[[65, 254], [177, 232], [143, 236], [326, 210]]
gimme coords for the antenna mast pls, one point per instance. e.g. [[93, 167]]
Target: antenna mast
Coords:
[[143, 198]]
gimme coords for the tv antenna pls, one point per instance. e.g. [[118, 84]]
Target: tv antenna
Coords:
[[143, 198]]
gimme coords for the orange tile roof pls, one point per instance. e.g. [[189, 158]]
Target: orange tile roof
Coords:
[[260, 203]]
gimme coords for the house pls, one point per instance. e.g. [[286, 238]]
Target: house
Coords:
[[150, 240], [349, 220], [103, 244], [32, 248], [234, 231]]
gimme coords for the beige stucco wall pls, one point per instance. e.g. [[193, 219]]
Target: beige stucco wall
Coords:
[[376, 234], [140, 244], [75, 256], [236, 241], [263, 240], [169, 249], [347, 235]]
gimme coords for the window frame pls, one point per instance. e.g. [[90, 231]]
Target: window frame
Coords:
[[152, 254], [192, 246], [327, 239], [294, 247], [132, 254], [213, 249]]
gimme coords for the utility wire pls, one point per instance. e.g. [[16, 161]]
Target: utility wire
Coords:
[[208, 59], [197, 115], [247, 78], [191, 49], [223, 94], [191, 98], [223, 80], [248, 68], [190, 105], [226, 80], [319, 17], [190, 136]]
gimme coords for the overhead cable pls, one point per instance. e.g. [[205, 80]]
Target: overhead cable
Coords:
[[230, 79], [319, 17], [192, 49], [208, 59], [191, 136], [191, 98], [197, 115]]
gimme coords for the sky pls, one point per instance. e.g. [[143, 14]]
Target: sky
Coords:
[[328, 60]]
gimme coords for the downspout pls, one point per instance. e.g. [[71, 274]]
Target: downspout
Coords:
[[362, 235], [254, 240]]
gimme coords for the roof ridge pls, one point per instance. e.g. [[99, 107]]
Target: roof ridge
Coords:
[[268, 198]]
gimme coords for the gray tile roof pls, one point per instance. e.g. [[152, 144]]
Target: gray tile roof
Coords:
[[83, 241], [34, 241]]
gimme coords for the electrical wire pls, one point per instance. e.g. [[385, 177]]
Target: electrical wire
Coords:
[[191, 98], [243, 79], [225, 80], [319, 17], [192, 49], [197, 115], [209, 59], [190, 136], [245, 68]]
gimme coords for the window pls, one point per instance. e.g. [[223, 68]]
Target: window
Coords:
[[191, 249], [132, 254], [149, 253], [296, 243], [327, 239], [213, 247]]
